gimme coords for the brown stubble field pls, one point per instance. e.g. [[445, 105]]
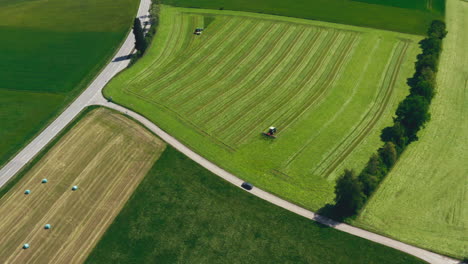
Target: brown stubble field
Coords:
[[106, 155]]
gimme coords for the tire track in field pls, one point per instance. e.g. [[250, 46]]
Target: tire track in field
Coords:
[[363, 128]]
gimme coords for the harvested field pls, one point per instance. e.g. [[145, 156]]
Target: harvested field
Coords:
[[328, 88], [428, 188], [106, 155]]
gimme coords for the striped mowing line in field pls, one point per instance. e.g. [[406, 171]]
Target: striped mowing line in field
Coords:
[[187, 61], [179, 27], [271, 86], [214, 60], [332, 161], [220, 76], [273, 97], [336, 114], [246, 65], [257, 75], [326, 81]]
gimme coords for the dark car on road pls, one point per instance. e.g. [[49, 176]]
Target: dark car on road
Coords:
[[247, 186]]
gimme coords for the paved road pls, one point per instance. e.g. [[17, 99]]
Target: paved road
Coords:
[[93, 96]]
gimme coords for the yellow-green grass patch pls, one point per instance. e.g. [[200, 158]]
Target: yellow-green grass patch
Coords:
[[106, 155]]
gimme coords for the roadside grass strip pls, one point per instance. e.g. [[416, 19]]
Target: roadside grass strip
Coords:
[[428, 187], [105, 155], [218, 91]]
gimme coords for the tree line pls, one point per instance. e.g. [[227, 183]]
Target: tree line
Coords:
[[352, 190], [142, 40]]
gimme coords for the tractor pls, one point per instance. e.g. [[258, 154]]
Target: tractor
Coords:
[[271, 132], [198, 31]]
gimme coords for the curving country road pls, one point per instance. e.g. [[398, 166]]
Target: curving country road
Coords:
[[93, 96]]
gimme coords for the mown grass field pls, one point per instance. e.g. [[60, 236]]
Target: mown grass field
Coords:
[[50, 51], [407, 16], [424, 199], [328, 88], [106, 155], [182, 213]]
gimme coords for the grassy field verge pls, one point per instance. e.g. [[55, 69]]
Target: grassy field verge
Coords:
[[428, 187], [217, 92], [182, 213], [407, 16], [50, 51], [106, 155]]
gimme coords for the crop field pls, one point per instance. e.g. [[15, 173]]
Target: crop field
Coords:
[[182, 213], [424, 199], [106, 155], [328, 88], [407, 16], [50, 51]]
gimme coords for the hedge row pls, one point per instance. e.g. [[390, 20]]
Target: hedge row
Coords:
[[143, 41], [352, 191]]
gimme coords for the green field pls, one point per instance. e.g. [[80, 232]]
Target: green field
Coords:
[[437, 6], [328, 88], [424, 199], [50, 51], [408, 16], [182, 213]]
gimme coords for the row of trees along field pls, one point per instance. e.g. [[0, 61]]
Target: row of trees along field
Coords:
[[142, 40], [352, 191]]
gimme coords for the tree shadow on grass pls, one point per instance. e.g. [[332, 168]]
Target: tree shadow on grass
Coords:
[[331, 213], [122, 58]]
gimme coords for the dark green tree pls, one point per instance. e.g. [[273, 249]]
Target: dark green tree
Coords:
[[427, 60], [368, 182], [388, 154], [413, 113], [431, 45], [396, 134], [375, 166], [349, 195], [140, 43], [437, 30]]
